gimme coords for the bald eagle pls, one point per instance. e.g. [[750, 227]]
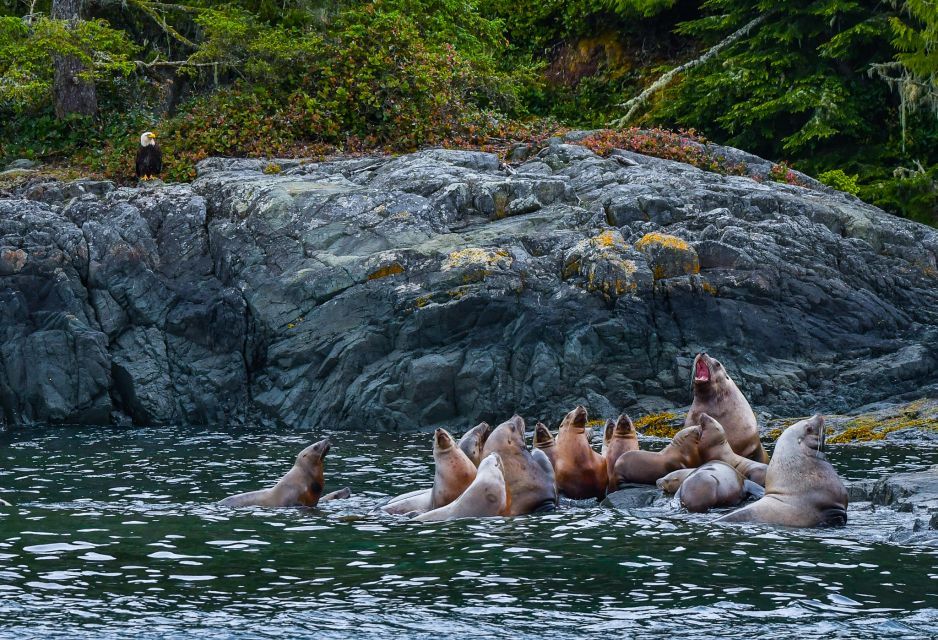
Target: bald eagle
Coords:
[[149, 157]]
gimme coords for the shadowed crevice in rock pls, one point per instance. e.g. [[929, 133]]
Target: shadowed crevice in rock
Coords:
[[436, 288]]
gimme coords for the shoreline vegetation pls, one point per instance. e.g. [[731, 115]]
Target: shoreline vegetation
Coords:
[[841, 92]]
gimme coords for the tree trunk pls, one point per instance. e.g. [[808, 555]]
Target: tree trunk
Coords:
[[71, 93]]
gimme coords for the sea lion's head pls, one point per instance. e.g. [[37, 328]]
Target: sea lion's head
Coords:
[[542, 436], [624, 427], [688, 437], [712, 433], [608, 430], [707, 373], [506, 437], [576, 419], [442, 441], [473, 441], [314, 454], [807, 436]]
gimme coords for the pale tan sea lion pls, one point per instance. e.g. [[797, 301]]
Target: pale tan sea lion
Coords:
[[646, 467], [672, 482], [717, 395], [623, 438], [453, 472], [715, 484], [486, 497], [580, 471], [528, 475], [301, 486], [802, 489], [473, 441], [413, 501], [544, 441], [713, 446]]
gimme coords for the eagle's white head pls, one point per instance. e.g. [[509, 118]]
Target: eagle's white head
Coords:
[[147, 138]]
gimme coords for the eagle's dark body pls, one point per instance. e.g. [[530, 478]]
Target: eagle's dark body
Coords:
[[149, 161]]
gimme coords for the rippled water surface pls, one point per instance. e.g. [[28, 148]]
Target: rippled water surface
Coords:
[[115, 532]]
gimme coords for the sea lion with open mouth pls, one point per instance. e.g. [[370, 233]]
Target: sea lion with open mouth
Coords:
[[717, 395], [802, 489], [715, 484], [486, 497], [646, 467], [301, 486], [579, 470], [528, 474]]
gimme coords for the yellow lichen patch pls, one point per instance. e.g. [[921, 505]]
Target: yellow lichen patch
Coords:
[[607, 239], [658, 424], [775, 433], [868, 428], [391, 270], [272, 168], [663, 239], [456, 294], [421, 302], [596, 423], [291, 325], [477, 256], [709, 288]]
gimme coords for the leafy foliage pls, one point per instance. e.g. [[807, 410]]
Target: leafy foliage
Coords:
[[839, 180]]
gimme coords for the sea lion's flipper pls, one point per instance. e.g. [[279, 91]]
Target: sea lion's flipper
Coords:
[[753, 489], [543, 461], [833, 517], [341, 494]]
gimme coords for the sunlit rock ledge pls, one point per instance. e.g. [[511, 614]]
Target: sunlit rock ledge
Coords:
[[443, 288]]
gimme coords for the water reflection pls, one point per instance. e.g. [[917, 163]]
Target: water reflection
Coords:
[[115, 531]]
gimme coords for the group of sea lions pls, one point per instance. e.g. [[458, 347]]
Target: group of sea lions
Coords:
[[716, 460]]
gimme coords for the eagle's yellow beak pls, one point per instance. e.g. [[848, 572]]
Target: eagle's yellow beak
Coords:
[[152, 135]]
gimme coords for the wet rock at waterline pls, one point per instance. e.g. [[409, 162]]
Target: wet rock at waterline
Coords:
[[436, 289]]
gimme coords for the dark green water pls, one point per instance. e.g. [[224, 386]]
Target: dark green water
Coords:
[[115, 534]]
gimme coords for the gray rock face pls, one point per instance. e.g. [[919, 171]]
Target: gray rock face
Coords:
[[439, 288]]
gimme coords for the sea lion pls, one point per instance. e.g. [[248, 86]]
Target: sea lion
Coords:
[[645, 467], [486, 497], [454, 470], [623, 438], [410, 502], [672, 482], [717, 395], [473, 440], [579, 470], [528, 474], [544, 441], [713, 446], [301, 486], [802, 489], [715, 484], [607, 436]]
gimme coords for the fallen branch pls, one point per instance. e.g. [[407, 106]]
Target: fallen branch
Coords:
[[636, 103]]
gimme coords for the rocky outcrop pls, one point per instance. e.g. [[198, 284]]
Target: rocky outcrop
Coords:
[[444, 288]]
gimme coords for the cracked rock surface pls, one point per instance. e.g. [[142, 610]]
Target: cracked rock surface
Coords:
[[440, 288]]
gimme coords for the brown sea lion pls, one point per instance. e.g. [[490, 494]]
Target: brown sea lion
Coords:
[[645, 467], [715, 484], [672, 482], [579, 470], [713, 446], [802, 489], [301, 486], [486, 497], [454, 470], [717, 395], [544, 440], [473, 441], [413, 501], [607, 436], [622, 439], [528, 474]]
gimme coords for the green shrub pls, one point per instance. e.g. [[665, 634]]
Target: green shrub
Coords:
[[839, 180]]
